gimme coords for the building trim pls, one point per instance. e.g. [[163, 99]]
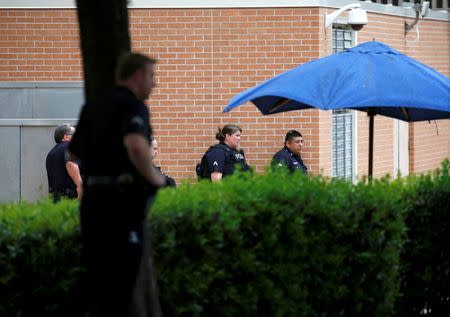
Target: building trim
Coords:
[[40, 84], [35, 122], [190, 4]]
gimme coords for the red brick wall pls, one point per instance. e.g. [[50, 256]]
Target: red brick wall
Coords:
[[209, 55], [206, 56], [429, 144], [39, 45]]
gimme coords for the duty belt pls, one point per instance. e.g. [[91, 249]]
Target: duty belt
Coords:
[[122, 179]]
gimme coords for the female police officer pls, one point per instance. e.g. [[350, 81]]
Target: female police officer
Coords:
[[221, 159]]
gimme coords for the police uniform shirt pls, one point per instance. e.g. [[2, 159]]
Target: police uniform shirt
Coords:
[[223, 161], [292, 161], [170, 182], [111, 216], [59, 181], [98, 140]]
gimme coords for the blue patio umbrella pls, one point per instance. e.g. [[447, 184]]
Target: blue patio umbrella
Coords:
[[371, 77]]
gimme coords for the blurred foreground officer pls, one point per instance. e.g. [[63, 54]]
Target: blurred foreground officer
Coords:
[[64, 178], [113, 142], [290, 154]]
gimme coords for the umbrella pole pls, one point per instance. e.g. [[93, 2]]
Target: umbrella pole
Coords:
[[371, 115]]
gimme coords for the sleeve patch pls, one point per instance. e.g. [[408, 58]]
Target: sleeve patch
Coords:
[[137, 121]]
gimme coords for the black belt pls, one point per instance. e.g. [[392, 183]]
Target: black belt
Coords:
[[122, 179], [71, 193]]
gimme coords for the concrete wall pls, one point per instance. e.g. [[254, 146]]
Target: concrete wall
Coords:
[[29, 114]]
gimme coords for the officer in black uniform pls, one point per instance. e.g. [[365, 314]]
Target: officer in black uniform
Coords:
[[222, 158], [290, 154], [63, 176], [113, 142], [155, 151]]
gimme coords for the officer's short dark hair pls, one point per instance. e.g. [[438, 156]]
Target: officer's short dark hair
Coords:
[[62, 130], [129, 63], [227, 129], [291, 135]]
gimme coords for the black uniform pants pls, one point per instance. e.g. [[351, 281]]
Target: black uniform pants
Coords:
[[112, 235], [67, 193]]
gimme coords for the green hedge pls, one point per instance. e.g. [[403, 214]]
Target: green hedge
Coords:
[[426, 255], [261, 245], [279, 245], [39, 256]]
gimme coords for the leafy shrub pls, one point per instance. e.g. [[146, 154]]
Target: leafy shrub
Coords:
[[39, 256], [278, 245], [261, 245], [426, 256]]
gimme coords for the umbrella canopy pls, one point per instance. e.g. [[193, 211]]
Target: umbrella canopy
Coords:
[[371, 77]]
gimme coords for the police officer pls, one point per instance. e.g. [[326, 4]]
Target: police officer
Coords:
[[113, 142], [290, 154], [222, 159], [64, 179], [155, 151]]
